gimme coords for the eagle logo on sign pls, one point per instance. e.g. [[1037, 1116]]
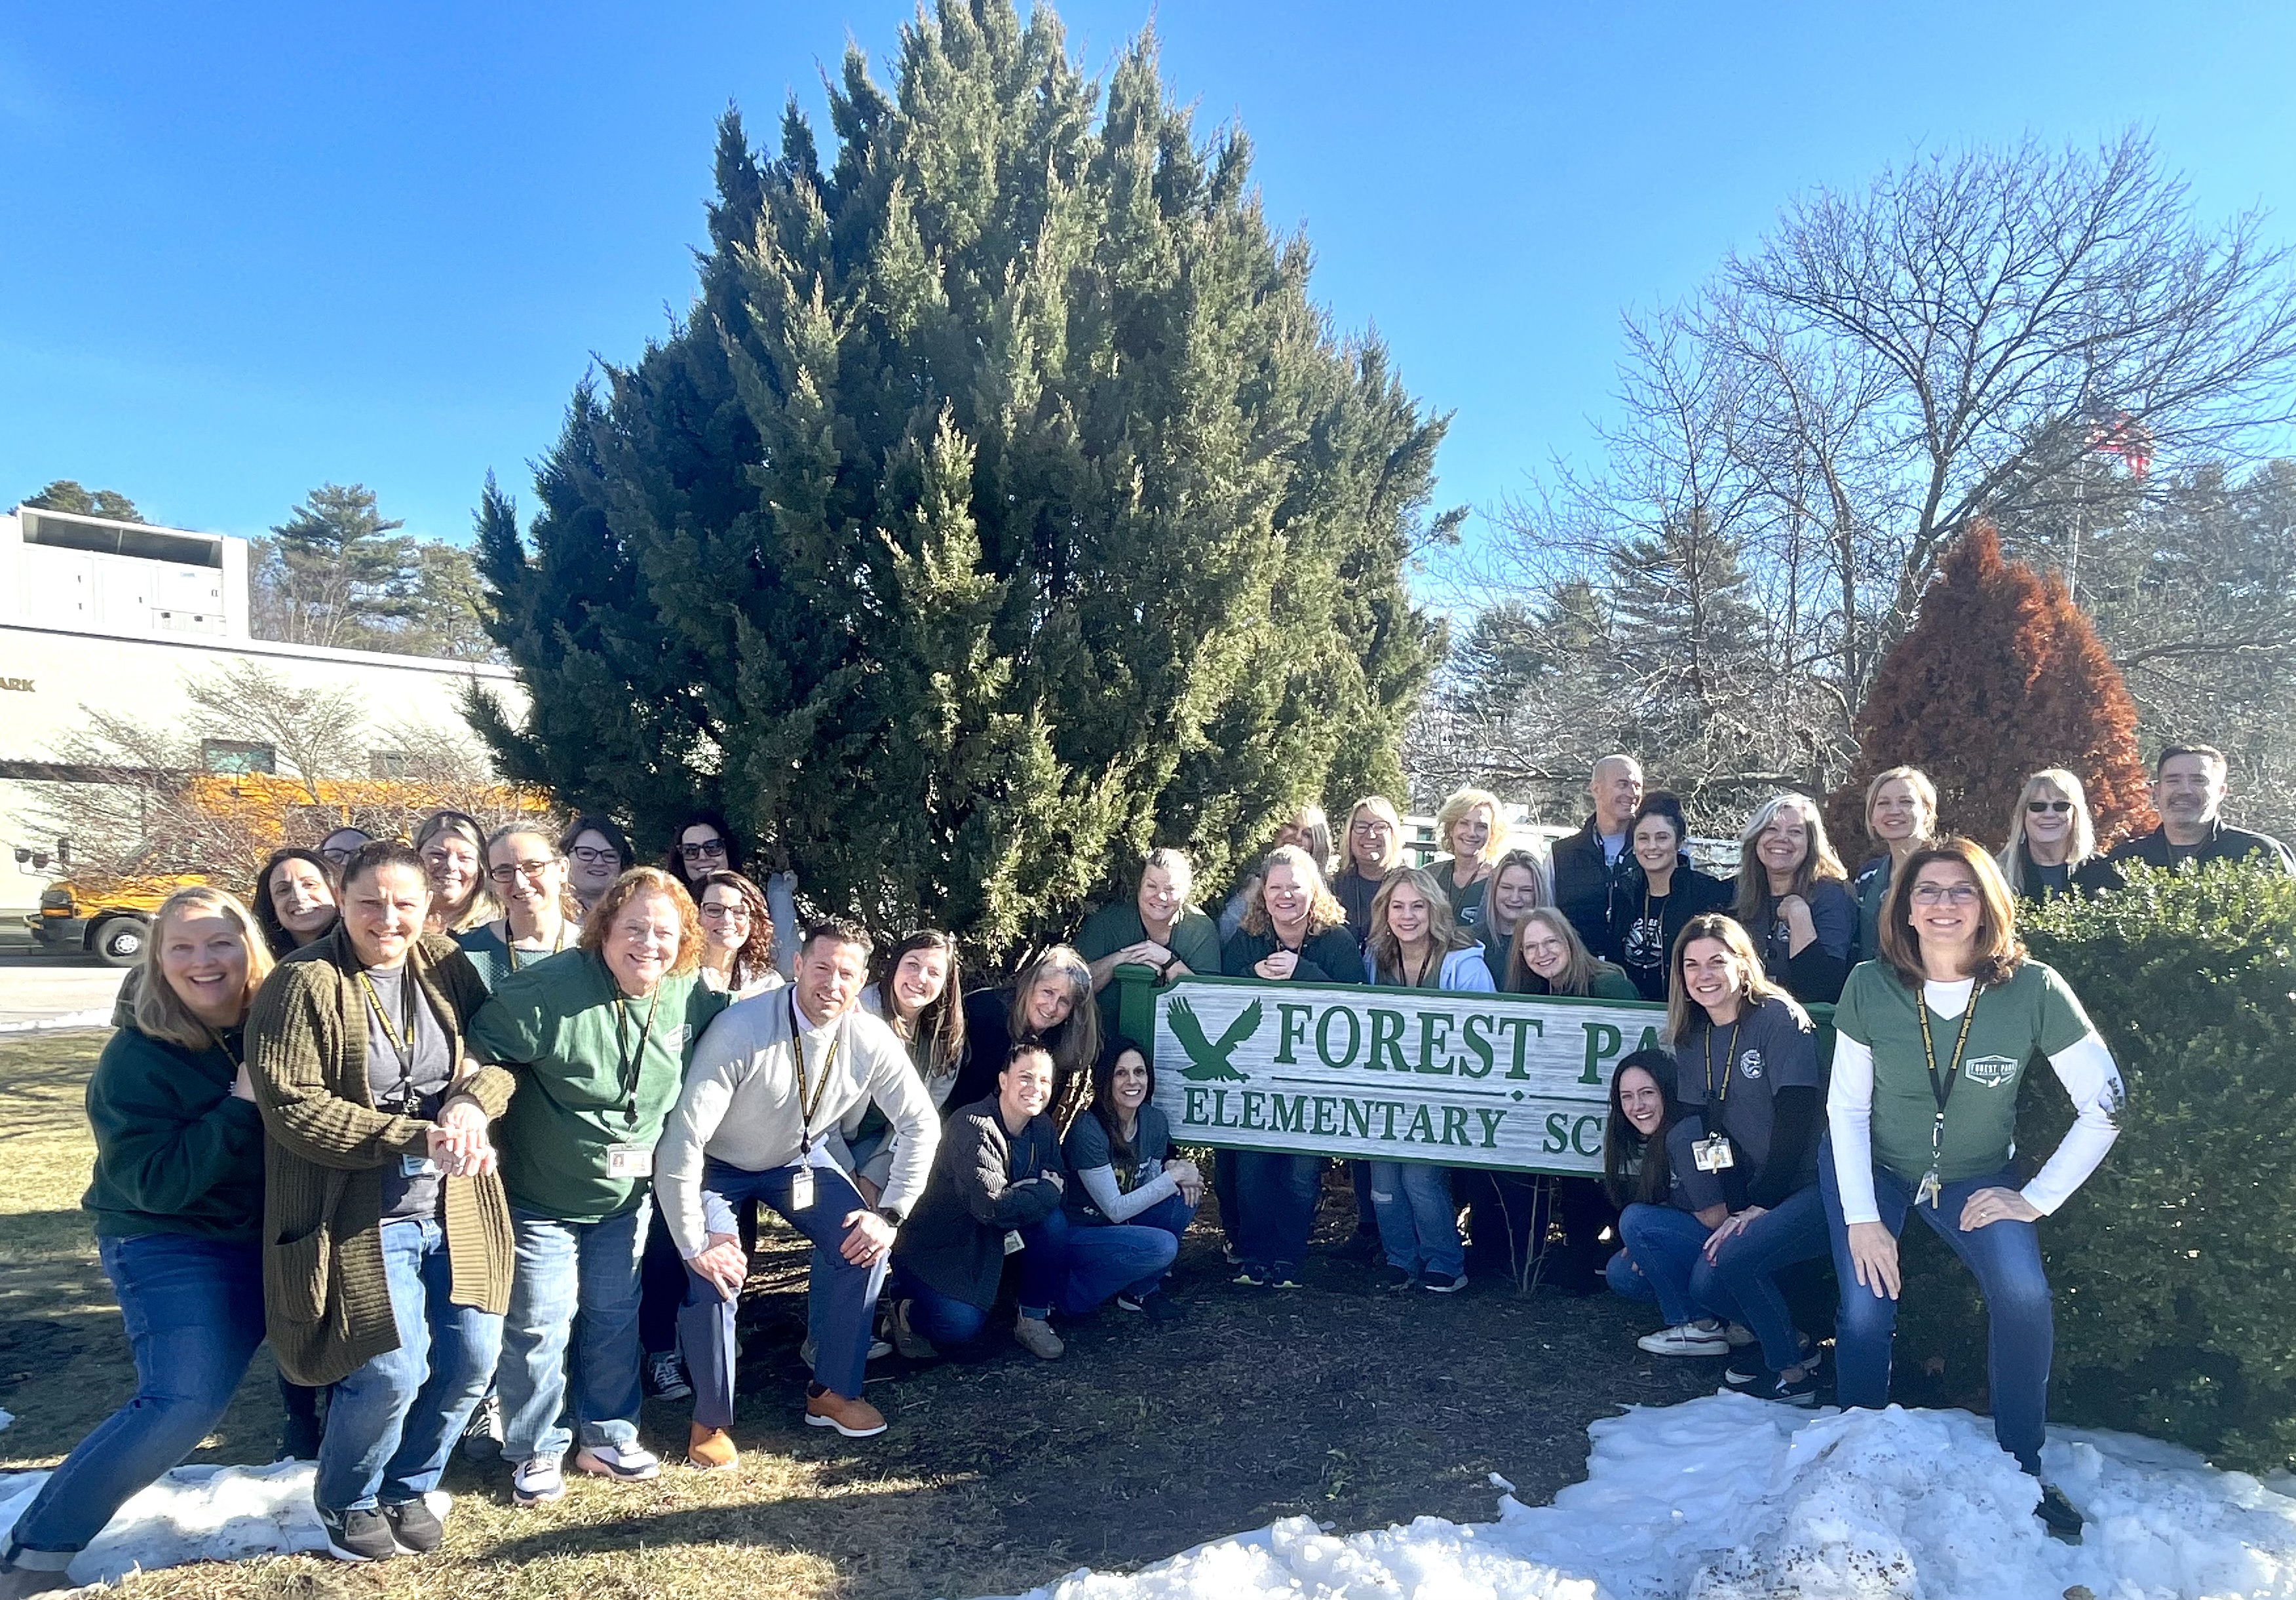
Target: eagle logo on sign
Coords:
[[1207, 1061], [1990, 1071]]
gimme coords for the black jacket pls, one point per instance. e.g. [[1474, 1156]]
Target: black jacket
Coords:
[[984, 1184], [989, 1044], [2222, 844], [1586, 886], [1689, 894], [1331, 956]]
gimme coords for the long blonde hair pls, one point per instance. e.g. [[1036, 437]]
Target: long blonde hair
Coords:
[[481, 907], [2014, 855], [1818, 862], [1325, 911], [160, 1013], [1683, 1015], [1444, 934], [1454, 811], [1580, 965]]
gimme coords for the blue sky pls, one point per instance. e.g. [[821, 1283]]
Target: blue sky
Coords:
[[254, 248]]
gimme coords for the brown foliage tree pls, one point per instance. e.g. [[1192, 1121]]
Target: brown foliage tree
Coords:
[[2000, 676]]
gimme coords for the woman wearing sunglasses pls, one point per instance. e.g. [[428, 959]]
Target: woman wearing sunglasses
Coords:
[[703, 842], [2051, 837]]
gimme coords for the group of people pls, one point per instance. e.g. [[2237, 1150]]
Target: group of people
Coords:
[[477, 1125]]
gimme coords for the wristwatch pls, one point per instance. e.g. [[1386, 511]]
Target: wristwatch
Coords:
[[892, 1218]]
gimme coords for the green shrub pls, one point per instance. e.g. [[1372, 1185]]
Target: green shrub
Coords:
[[2175, 1266]]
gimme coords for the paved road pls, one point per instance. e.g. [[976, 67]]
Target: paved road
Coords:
[[40, 989]]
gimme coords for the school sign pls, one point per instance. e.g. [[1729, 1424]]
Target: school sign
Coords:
[[1393, 1074]]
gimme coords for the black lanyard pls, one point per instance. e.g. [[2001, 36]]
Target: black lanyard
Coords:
[[1729, 1058], [632, 1067], [805, 1107], [403, 1097], [1941, 1088]]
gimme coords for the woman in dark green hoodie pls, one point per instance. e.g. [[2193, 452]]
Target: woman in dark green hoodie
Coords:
[[177, 1199]]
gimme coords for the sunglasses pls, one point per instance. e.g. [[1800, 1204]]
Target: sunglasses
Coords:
[[708, 850], [2040, 805]]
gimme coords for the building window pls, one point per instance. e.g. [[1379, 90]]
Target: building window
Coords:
[[237, 757], [390, 764]]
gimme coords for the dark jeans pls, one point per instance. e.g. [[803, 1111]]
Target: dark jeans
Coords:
[[391, 1424], [943, 1318], [1662, 1250], [1741, 1284], [706, 1325], [1509, 1216], [2020, 1327], [1278, 1196], [1100, 1261], [193, 1309], [1224, 1190]]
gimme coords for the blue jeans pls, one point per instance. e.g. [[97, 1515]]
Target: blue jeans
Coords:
[[706, 1323], [2019, 1328], [1418, 1225], [942, 1318], [577, 1283], [392, 1424], [1663, 1246], [1741, 1285], [1099, 1260], [1276, 1195], [193, 1308]]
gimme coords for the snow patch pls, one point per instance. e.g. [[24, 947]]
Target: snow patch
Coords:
[[1728, 1499], [194, 1514]]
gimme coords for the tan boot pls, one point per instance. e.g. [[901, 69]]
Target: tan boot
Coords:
[[711, 1449], [854, 1418], [1036, 1337]]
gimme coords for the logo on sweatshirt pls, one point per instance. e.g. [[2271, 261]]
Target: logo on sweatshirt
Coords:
[[1750, 1065], [1989, 1071]]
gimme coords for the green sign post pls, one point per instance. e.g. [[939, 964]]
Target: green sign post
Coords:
[[1466, 1079]]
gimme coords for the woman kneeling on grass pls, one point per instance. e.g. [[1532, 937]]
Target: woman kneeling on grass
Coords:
[[1931, 1043], [1669, 1206], [386, 1253], [1132, 1199], [177, 1199]]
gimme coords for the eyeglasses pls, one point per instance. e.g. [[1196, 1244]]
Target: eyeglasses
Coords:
[[533, 871], [1374, 827], [2036, 807], [592, 855], [706, 850], [337, 858], [725, 914], [1945, 894]]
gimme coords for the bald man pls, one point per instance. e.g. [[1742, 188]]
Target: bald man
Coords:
[[1590, 864]]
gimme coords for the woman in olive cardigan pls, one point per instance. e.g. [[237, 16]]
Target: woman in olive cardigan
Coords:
[[387, 1239]]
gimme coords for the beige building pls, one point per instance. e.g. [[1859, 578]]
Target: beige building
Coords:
[[114, 617]]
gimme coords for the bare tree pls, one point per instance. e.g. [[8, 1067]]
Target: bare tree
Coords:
[[316, 733]]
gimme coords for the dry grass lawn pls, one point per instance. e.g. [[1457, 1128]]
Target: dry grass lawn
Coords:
[[1357, 1407]]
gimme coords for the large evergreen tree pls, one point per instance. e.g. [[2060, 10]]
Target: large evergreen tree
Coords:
[[1003, 507], [2000, 676]]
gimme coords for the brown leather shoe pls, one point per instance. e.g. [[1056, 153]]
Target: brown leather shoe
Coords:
[[710, 1448], [854, 1418]]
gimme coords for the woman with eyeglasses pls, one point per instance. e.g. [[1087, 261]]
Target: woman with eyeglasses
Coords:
[[540, 914], [596, 853], [1900, 817], [2051, 838], [454, 851], [1549, 958], [1372, 848], [703, 842], [737, 937], [340, 846], [1931, 1044]]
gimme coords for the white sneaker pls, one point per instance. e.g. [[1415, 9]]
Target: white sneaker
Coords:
[[1686, 1339], [623, 1462], [537, 1479]]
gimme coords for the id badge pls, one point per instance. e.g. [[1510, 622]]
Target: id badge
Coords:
[[1713, 1154], [417, 1166], [801, 1189], [629, 1160], [1013, 1242]]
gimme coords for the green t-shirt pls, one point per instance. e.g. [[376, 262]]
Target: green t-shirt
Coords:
[[556, 1026], [2033, 1013], [1195, 940], [494, 958]]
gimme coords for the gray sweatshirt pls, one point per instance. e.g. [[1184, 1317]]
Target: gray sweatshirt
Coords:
[[740, 1105]]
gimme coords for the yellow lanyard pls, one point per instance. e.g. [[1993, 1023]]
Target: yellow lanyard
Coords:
[[1941, 1089], [805, 1107], [511, 944]]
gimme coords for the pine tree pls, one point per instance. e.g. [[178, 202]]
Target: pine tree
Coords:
[[1003, 507], [65, 494], [335, 572], [2000, 676]]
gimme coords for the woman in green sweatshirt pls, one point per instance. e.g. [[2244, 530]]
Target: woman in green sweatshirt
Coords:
[[177, 1199]]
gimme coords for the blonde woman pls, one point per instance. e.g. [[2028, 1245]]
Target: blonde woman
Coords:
[[1794, 899], [1474, 829], [541, 915], [1414, 944], [1311, 831], [1747, 1063], [1371, 848], [454, 851], [1050, 1004], [2051, 837], [177, 1202], [1548, 957], [1901, 807]]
